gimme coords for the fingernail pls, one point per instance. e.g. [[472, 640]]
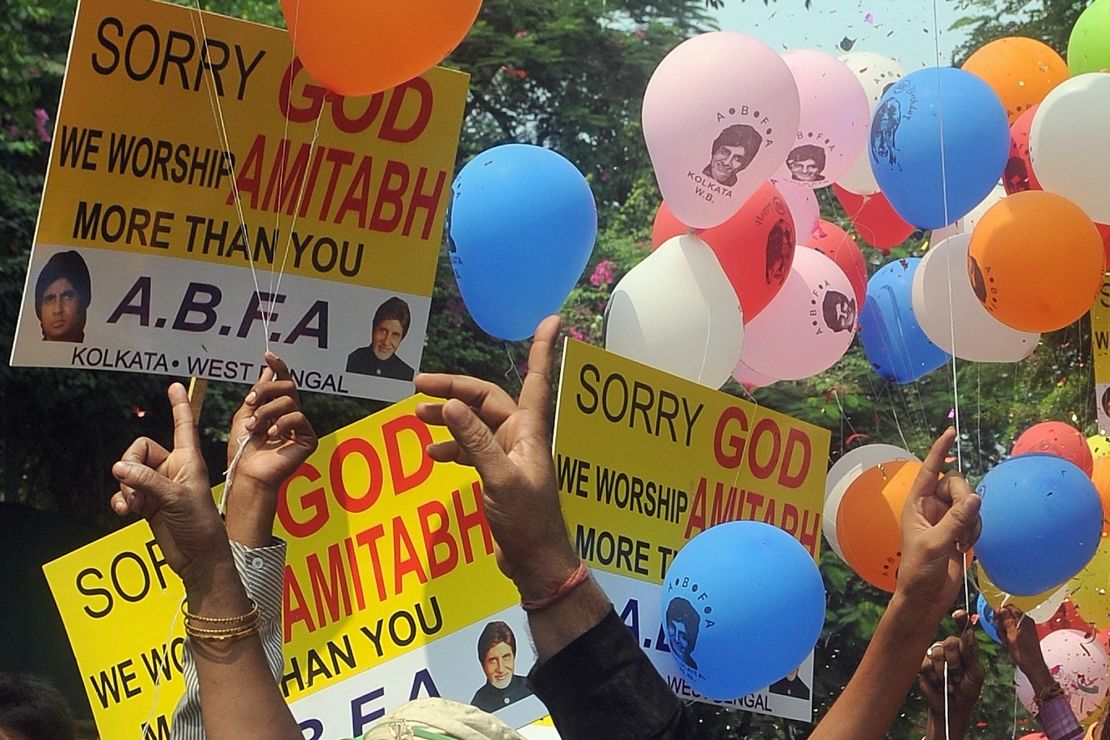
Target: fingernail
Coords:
[[272, 433], [121, 469], [120, 507], [250, 422], [251, 397]]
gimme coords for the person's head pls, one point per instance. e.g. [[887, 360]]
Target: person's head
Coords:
[[839, 311], [391, 324], [806, 163], [682, 627], [887, 118], [733, 150], [32, 710], [62, 295], [780, 252], [497, 654]]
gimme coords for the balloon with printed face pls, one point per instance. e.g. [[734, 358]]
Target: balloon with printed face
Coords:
[[755, 246], [1079, 664], [939, 141], [1066, 145], [893, 340], [869, 520], [1019, 176], [522, 228], [358, 48], [677, 311], [1036, 261], [715, 615], [714, 136], [950, 314], [808, 325], [832, 128], [1020, 70], [877, 74], [836, 244], [1087, 47], [1042, 521]]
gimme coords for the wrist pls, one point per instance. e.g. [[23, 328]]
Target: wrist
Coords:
[[541, 575], [251, 508]]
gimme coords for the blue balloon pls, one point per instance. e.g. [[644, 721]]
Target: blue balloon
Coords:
[[522, 226], [893, 340], [987, 619], [1042, 520], [913, 117], [743, 605]]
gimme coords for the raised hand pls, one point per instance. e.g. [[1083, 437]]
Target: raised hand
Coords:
[[510, 445], [964, 682]]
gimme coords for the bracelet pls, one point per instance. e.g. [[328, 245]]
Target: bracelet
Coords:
[[251, 615], [1047, 694], [234, 633], [577, 577]]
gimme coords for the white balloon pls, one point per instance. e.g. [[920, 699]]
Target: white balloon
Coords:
[[677, 311], [876, 73], [950, 314], [1068, 145], [966, 225], [844, 473], [1080, 666]]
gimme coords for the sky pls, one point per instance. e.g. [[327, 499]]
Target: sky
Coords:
[[902, 29]]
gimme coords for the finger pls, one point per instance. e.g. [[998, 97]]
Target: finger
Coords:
[[184, 425], [152, 489], [962, 620], [926, 480], [476, 440], [953, 658], [265, 415], [535, 394], [121, 502], [493, 403], [961, 525], [449, 451], [430, 413], [294, 426], [145, 451], [277, 366]]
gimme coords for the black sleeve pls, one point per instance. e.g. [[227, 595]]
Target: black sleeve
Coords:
[[603, 686]]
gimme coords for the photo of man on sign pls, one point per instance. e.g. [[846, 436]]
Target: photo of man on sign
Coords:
[[497, 654], [63, 292], [391, 324]]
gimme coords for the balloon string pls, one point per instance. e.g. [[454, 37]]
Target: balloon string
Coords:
[[221, 131], [285, 137], [946, 721]]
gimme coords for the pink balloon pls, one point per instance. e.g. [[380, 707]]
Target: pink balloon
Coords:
[[1079, 664], [720, 113], [803, 207], [836, 244], [749, 378], [807, 326], [1056, 438], [833, 125]]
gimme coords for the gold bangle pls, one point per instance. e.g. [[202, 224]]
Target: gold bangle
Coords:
[[228, 633], [236, 635], [252, 613]]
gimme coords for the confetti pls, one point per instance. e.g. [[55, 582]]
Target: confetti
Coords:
[[846, 44], [869, 18]]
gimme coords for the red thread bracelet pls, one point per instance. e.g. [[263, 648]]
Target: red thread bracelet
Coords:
[[577, 577]]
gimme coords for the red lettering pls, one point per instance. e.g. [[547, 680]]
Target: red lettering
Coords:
[[314, 501], [796, 440], [427, 202], [435, 536], [390, 131], [474, 520], [391, 432], [368, 538], [404, 562], [340, 480], [732, 455], [313, 94], [329, 590], [357, 198], [249, 179], [762, 429], [295, 608], [390, 195], [697, 509], [356, 125]]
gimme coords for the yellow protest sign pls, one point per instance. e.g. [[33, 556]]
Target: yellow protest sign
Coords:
[[1100, 348], [646, 460], [194, 162], [389, 579]]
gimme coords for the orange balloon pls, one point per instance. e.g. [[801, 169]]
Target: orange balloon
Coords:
[[869, 521], [354, 47], [1036, 261], [1101, 478], [1021, 71]]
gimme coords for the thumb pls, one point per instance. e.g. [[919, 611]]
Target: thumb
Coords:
[[153, 488], [961, 523], [476, 440]]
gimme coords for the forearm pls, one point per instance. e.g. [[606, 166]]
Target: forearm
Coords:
[[251, 507], [871, 700], [556, 626], [238, 694]]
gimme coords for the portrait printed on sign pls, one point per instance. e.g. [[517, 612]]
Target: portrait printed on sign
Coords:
[[807, 163], [733, 150], [388, 329], [497, 657], [780, 252], [63, 292]]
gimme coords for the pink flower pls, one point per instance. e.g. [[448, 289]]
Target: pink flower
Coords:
[[575, 334], [602, 276], [41, 119]]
